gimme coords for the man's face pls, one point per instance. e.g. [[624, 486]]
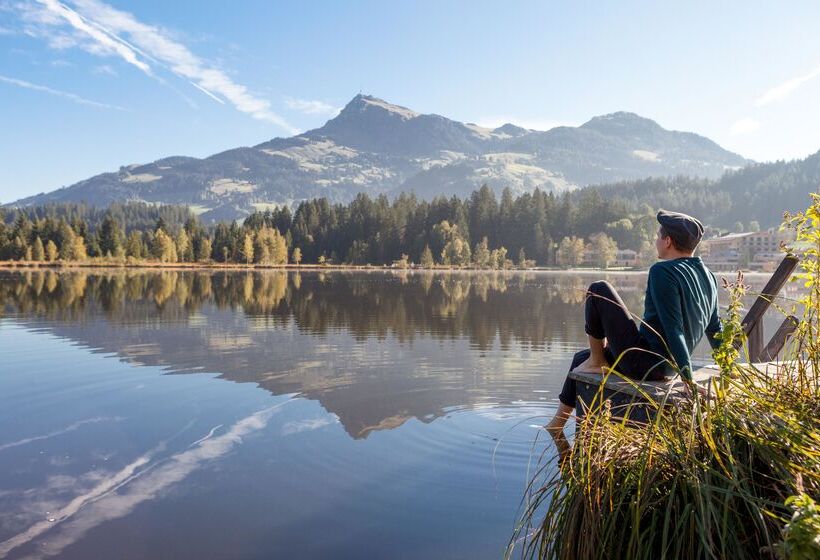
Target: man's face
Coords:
[[662, 244]]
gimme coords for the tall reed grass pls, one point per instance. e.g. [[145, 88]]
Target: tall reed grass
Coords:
[[733, 475]]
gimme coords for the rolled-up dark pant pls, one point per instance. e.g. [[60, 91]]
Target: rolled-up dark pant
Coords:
[[606, 316]]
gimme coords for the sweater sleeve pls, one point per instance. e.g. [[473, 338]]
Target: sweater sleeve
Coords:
[[667, 298], [714, 327]]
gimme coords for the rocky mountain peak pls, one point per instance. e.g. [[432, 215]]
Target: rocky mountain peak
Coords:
[[363, 105], [371, 124]]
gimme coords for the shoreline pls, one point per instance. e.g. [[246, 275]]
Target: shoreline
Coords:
[[153, 265]]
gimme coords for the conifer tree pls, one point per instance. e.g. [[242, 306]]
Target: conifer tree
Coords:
[[38, 252], [499, 258], [279, 248], [133, 245], [67, 242], [78, 250], [185, 252], [262, 244], [51, 251], [427, 258], [247, 248], [481, 255], [110, 236], [205, 249]]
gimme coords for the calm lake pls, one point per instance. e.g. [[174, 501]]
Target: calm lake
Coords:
[[277, 415]]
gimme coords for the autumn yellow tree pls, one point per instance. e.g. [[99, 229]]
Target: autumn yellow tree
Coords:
[[456, 251], [38, 252], [270, 247], [481, 254], [78, 249], [571, 251], [185, 251], [604, 249], [247, 248], [498, 258], [164, 247], [279, 249], [205, 248], [73, 247], [262, 246], [427, 258], [51, 251], [134, 246]]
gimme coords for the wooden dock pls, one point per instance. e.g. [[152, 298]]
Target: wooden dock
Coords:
[[637, 400]]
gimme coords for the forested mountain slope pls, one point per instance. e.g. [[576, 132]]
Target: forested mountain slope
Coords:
[[758, 192]]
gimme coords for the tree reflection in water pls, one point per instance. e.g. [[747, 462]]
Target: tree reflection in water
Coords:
[[375, 348]]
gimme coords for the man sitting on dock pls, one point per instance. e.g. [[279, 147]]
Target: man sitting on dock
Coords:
[[680, 306]]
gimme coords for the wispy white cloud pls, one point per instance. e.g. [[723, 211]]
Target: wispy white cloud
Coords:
[[743, 126], [55, 13], [105, 69], [106, 31], [310, 107], [67, 95], [785, 89]]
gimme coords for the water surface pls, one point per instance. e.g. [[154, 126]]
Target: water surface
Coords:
[[277, 415]]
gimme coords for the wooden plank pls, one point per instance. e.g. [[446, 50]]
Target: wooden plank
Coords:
[[657, 390], [653, 389], [775, 345], [627, 401]]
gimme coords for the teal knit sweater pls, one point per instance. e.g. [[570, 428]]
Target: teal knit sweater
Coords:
[[681, 305]]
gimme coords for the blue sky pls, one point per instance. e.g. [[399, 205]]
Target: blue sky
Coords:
[[87, 86]]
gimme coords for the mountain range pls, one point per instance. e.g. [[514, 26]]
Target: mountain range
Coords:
[[376, 147]]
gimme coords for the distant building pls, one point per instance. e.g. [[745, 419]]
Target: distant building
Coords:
[[759, 250], [626, 258]]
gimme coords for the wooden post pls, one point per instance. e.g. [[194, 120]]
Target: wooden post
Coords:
[[775, 345], [753, 321], [755, 340]]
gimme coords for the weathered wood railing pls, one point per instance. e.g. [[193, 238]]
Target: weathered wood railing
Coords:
[[753, 321], [631, 397]]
